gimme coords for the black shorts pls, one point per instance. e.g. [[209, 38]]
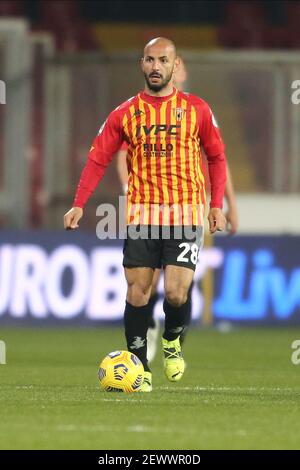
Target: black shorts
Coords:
[[150, 246]]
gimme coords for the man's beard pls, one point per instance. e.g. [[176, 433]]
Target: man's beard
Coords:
[[158, 86]]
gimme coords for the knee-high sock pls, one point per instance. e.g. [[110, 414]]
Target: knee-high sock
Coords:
[[136, 320], [174, 321], [177, 318]]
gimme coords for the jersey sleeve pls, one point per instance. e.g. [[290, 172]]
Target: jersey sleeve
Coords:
[[104, 146], [209, 132], [108, 140], [211, 140]]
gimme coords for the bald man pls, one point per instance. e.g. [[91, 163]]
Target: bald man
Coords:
[[180, 76], [164, 129]]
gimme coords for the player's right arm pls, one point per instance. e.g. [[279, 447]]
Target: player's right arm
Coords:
[[104, 146]]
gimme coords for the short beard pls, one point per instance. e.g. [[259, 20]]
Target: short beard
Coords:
[[158, 87]]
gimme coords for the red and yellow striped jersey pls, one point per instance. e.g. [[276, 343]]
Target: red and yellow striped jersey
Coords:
[[164, 161]]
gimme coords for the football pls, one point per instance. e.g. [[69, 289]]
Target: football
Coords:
[[121, 371]]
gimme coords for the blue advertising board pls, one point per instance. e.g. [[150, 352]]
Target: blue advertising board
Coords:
[[73, 278], [259, 280]]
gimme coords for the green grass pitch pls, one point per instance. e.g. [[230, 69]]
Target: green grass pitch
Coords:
[[240, 391]]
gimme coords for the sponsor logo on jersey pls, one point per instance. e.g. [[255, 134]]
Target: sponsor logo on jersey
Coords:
[[158, 150], [138, 112], [179, 113], [157, 129]]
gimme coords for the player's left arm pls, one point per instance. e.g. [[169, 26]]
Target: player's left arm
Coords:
[[210, 138]]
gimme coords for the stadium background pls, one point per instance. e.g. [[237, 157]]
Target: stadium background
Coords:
[[64, 65]]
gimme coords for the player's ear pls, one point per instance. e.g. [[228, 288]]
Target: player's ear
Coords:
[[142, 63]]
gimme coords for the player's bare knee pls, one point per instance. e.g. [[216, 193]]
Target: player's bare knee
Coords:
[[176, 297], [138, 295]]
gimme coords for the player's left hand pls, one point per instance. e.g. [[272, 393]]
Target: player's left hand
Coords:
[[216, 219]]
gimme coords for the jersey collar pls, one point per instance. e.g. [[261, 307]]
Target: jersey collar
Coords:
[[157, 99]]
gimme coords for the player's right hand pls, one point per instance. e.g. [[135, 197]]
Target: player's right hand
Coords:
[[72, 217]]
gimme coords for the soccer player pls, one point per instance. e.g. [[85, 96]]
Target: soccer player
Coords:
[[179, 78], [165, 129]]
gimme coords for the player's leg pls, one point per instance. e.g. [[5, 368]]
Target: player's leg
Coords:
[[178, 281], [153, 329], [136, 316], [180, 254], [141, 257]]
